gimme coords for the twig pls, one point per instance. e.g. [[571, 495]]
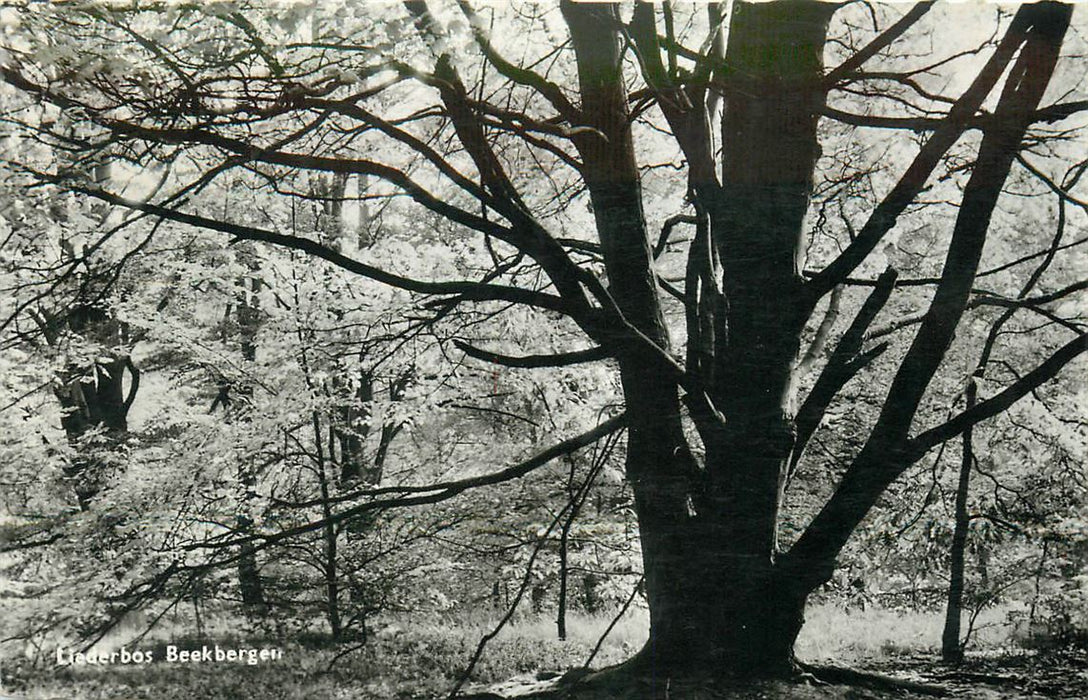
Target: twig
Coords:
[[615, 621]]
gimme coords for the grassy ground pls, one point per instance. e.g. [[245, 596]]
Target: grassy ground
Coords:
[[422, 658]]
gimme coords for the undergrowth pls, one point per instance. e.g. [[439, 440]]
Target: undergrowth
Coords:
[[408, 657]]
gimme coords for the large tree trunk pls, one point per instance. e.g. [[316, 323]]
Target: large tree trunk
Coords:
[[769, 152], [659, 464], [708, 536], [722, 600], [739, 624]]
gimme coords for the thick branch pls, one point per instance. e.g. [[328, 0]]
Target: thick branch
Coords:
[[684, 109], [134, 385], [430, 493], [1000, 402], [471, 291], [1053, 113], [879, 43], [914, 178], [522, 76], [887, 451], [990, 299], [356, 112], [666, 231], [527, 234], [875, 121], [841, 367], [561, 359]]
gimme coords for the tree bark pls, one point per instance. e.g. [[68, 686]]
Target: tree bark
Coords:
[[659, 464], [329, 535], [770, 148]]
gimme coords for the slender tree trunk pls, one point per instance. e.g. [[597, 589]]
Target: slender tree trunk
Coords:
[[249, 572], [1040, 569], [591, 598], [659, 464], [537, 595], [197, 598], [332, 580], [91, 396], [564, 574], [951, 648], [356, 422], [576, 502]]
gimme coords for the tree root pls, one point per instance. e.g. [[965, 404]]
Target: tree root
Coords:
[[632, 681], [973, 677], [835, 675]]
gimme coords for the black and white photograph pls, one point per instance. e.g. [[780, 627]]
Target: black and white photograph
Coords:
[[549, 349]]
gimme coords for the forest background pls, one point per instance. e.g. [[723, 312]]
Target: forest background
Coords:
[[434, 341]]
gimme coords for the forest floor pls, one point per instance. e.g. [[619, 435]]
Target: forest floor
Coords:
[[411, 659]]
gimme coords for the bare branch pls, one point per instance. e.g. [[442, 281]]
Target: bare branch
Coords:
[[888, 451], [914, 178], [472, 291], [845, 362], [666, 231], [431, 493], [998, 403], [522, 76], [879, 43], [561, 359]]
